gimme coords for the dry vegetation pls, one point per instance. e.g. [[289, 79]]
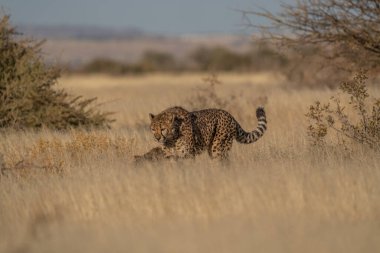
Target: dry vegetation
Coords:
[[80, 191], [28, 96]]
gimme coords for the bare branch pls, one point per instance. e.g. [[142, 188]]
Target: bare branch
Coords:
[[350, 27]]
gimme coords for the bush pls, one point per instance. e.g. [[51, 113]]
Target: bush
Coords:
[[206, 96], [112, 67], [343, 28], [307, 68], [361, 125], [260, 58], [343, 33], [151, 61], [27, 96], [158, 61], [264, 57], [220, 59]]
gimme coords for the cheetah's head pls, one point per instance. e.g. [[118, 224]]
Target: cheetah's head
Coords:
[[165, 128]]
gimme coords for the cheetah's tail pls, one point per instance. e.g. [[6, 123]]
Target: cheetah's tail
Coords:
[[250, 137]]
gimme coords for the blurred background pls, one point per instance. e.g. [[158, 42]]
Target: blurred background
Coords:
[[121, 37]]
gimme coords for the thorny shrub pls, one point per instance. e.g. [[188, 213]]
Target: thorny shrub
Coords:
[[206, 96], [28, 98], [357, 118]]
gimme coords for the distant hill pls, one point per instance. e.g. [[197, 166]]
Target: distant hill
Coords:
[[79, 32], [77, 45]]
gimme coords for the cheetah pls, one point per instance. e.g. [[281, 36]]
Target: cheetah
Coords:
[[174, 129], [183, 134]]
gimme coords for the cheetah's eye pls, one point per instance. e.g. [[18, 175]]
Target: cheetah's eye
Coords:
[[164, 131]]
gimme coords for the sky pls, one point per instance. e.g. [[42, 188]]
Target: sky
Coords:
[[156, 16]]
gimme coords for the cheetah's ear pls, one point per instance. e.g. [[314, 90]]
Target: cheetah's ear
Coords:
[[151, 116]]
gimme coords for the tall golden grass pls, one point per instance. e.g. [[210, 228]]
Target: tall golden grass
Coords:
[[81, 192]]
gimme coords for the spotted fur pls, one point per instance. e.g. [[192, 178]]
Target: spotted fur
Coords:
[[173, 129], [186, 134]]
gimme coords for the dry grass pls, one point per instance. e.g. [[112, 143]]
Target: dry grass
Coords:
[[79, 192]]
